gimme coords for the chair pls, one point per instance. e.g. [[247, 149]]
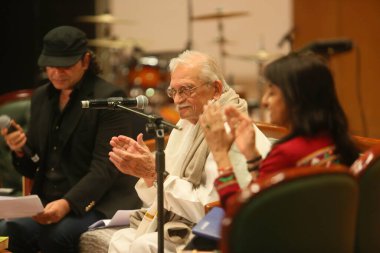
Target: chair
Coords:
[[367, 170], [16, 105], [274, 132], [304, 209], [365, 143]]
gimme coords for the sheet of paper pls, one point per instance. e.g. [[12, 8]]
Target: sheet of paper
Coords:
[[99, 224], [18, 207], [120, 218]]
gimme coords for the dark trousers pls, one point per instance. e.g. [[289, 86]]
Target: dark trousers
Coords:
[[26, 235]]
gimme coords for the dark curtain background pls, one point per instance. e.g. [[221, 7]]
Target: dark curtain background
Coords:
[[23, 24]]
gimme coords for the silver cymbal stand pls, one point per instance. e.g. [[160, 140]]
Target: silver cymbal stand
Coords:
[[189, 44]]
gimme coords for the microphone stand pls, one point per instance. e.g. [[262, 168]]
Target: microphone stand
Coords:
[[157, 125], [189, 44]]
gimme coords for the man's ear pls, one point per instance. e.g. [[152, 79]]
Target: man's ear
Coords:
[[218, 89]]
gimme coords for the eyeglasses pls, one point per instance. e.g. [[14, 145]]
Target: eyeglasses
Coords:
[[183, 92]]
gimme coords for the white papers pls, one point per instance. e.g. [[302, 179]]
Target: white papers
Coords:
[[121, 218], [6, 191], [18, 207]]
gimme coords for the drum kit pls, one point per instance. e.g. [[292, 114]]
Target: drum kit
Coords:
[[141, 71]]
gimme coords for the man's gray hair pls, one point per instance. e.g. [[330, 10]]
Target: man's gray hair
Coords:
[[209, 69]]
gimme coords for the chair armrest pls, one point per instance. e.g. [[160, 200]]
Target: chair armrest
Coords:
[[27, 185], [211, 205]]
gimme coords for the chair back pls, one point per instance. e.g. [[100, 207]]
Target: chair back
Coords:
[[16, 105], [367, 170], [304, 209], [274, 132]]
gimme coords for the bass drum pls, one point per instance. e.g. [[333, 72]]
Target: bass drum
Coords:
[[148, 72]]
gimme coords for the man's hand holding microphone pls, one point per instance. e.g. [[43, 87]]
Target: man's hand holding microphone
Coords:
[[13, 134]]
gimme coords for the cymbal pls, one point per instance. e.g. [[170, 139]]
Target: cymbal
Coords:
[[109, 43], [220, 15], [165, 55], [260, 56], [103, 18]]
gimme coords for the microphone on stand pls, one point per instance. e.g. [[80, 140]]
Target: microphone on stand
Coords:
[[287, 37], [328, 47], [139, 102], [5, 122]]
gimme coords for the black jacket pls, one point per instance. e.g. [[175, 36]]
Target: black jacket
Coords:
[[95, 182]]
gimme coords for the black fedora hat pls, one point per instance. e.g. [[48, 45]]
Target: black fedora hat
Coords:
[[63, 47]]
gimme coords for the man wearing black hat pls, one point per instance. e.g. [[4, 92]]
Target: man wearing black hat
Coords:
[[74, 177]]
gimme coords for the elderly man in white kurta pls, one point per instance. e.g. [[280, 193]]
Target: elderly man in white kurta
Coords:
[[195, 81]]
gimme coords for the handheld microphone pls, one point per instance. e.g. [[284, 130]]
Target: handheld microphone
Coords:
[[5, 122], [139, 102]]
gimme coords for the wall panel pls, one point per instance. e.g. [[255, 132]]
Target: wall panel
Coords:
[[357, 72]]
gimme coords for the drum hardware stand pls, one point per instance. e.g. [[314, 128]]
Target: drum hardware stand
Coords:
[[221, 41], [219, 15], [189, 44], [157, 125]]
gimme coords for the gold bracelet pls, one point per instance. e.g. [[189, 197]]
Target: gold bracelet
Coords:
[[224, 171]]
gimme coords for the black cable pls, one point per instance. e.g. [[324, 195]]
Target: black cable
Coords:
[[358, 90]]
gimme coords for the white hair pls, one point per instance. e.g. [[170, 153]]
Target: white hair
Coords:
[[209, 69]]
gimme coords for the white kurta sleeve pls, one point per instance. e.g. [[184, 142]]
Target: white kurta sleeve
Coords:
[[145, 193], [185, 200]]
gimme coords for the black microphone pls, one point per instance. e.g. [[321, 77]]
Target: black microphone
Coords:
[[328, 47], [289, 36], [5, 122], [139, 102]]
